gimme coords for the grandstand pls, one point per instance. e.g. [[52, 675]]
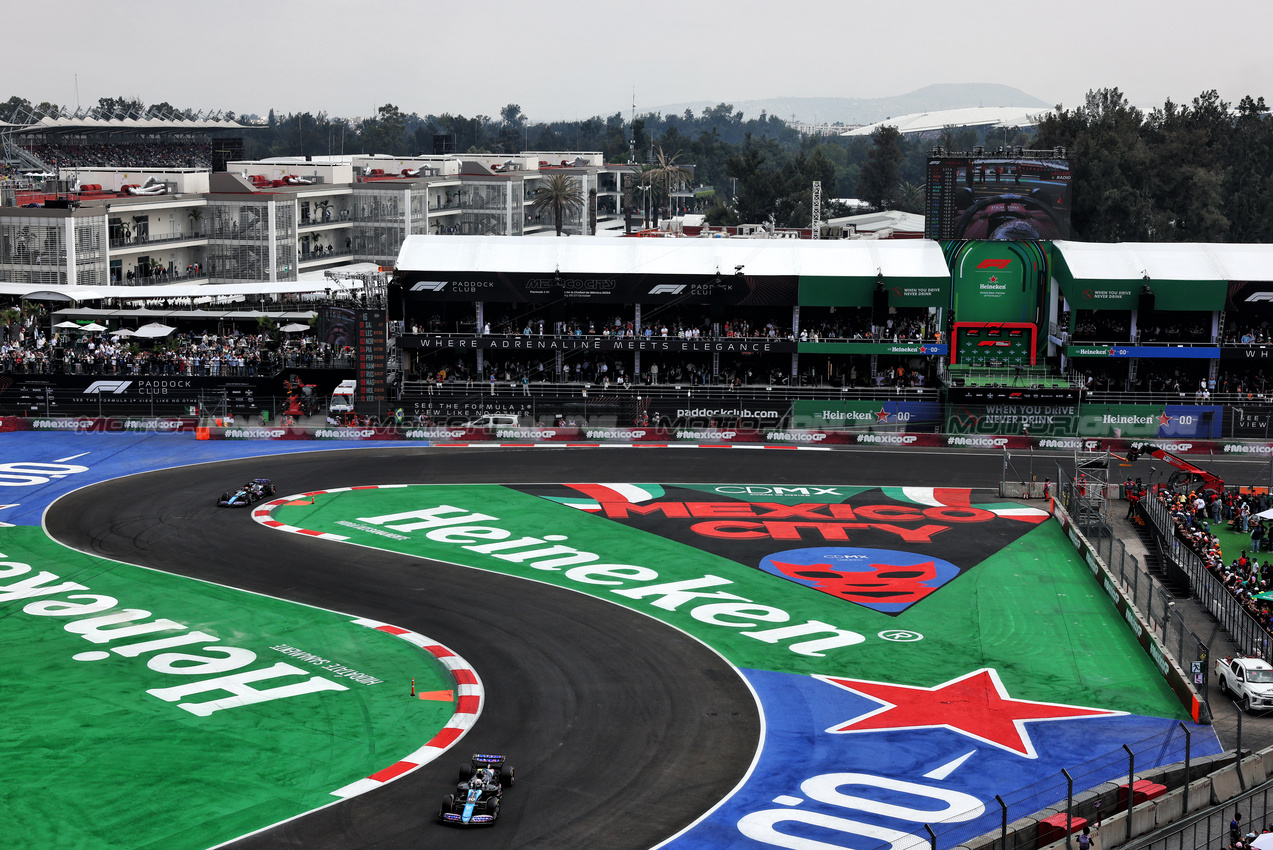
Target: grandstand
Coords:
[[52, 144]]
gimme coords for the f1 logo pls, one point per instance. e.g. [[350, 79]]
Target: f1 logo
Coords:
[[668, 289], [429, 286], [115, 387], [994, 264], [1257, 297]]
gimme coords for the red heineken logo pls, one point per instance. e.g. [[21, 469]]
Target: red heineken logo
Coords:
[[994, 279], [976, 705]]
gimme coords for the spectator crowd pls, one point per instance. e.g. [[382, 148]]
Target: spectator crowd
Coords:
[[126, 155], [26, 348], [1196, 514]]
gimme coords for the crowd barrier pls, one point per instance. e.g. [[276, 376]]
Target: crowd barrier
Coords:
[[99, 423], [212, 429]]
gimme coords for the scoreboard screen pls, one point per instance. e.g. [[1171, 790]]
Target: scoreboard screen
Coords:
[[370, 328], [997, 198], [993, 344]]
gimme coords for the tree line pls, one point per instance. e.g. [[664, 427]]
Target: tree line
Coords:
[[1201, 171]]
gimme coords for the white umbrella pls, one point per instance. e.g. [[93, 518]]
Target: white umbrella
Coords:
[[293, 328], [67, 324], [123, 332], [1263, 841], [1266, 515], [153, 330], [93, 327]]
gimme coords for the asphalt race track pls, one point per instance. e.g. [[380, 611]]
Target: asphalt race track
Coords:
[[623, 731]]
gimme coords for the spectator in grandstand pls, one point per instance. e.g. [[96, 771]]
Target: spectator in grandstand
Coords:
[[126, 155]]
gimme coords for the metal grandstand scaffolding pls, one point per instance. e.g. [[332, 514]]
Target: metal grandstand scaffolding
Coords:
[[1088, 500]]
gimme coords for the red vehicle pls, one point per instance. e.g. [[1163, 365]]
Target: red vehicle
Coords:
[[1186, 477], [301, 400]]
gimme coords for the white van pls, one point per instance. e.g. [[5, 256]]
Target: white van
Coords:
[[494, 420], [343, 397]]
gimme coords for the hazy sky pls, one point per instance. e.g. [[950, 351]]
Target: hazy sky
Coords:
[[569, 59]]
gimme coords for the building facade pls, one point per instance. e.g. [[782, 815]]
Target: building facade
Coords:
[[268, 221]]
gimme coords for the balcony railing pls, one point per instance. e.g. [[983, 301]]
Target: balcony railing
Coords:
[[145, 241]]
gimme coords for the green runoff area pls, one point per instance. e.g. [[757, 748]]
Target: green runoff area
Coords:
[[102, 752], [1031, 610]]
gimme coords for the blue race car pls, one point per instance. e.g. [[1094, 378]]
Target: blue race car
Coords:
[[250, 493], [477, 798]]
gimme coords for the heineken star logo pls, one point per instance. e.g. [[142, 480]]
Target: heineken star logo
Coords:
[[976, 705]]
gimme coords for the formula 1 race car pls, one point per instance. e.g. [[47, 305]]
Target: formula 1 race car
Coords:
[[477, 798], [250, 493]]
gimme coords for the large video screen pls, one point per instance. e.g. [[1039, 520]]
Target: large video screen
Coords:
[[998, 198]]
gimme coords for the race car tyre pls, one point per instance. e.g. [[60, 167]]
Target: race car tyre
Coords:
[[466, 772], [225, 497], [448, 805], [492, 808], [506, 774]]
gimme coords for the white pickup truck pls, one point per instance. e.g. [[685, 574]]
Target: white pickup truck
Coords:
[[1247, 680]]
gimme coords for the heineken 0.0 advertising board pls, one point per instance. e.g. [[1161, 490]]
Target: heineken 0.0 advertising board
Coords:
[[866, 415], [1193, 421]]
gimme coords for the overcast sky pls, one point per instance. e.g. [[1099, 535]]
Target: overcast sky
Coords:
[[570, 59]]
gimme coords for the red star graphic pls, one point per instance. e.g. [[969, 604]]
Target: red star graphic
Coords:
[[994, 279], [976, 705], [1164, 419], [881, 415]]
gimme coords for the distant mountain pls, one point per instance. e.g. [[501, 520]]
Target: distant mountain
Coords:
[[860, 110]]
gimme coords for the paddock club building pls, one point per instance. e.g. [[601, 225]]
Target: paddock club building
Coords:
[[824, 314]]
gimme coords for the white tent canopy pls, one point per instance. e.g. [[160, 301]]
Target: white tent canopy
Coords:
[[153, 330], [44, 292], [905, 258], [1152, 261], [176, 315]]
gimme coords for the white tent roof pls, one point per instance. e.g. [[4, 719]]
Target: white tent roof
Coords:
[[174, 315], [1167, 261], [48, 123], [976, 116], [172, 290], [913, 258]]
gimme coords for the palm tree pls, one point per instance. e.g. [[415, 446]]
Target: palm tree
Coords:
[[558, 194], [910, 197], [668, 175]]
